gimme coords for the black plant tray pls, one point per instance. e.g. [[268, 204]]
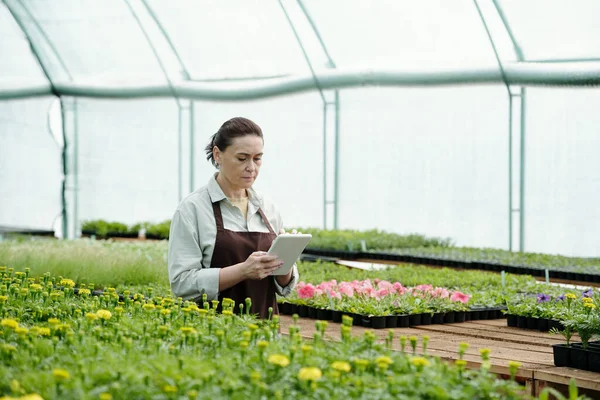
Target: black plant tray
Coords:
[[391, 321], [538, 324], [486, 266], [575, 356]]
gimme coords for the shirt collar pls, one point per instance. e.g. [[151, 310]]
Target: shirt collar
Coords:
[[216, 193]]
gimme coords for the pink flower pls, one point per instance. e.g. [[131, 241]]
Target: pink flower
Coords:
[[398, 288], [384, 285], [462, 297], [440, 292], [346, 289], [382, 293], [306, 291], [424, 288], [335, 295]]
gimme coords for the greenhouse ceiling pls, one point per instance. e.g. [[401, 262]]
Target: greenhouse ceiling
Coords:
[[151, 48]]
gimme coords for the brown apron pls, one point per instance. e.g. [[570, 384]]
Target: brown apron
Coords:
[[234, 247]]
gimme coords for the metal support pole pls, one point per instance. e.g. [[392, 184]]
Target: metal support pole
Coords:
[[337, 162], [64, 213], [510, 189], [325, 165], [192, 148], [76, 232], [522, 177], [179, 155]]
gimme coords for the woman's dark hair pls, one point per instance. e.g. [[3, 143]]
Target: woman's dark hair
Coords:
[[231, 129]]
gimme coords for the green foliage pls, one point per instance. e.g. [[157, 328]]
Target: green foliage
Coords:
[[350, 240], [64, 346]]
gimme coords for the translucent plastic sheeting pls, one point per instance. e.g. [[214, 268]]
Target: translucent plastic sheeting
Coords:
[[17, 63], [236, 38], [563, 171], [555, 29], [127, 160], [96, 40], [430, 161], [402, 34], [30, 166], [291, 175]]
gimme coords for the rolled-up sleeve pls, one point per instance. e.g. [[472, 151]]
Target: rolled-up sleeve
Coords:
[[187, 276]]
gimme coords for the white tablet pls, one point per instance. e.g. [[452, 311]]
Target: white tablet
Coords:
[[288, 247]]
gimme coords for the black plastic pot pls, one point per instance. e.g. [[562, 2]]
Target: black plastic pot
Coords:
[[285, 308], [312, 312], [324, 315], [302, 311], [336, 316], [426, 319], [449, 317], [403, 321], [356, 320], [459, 316], [484, 314], [579, 357], [378, 322], [415, 320], [475, 315], [594, 360], [468, 315], [532, 323], [437, 318], [391, 321], [562, 355], [522, 322], [542, 325], [511, 320], [294, 309], [554, 324]]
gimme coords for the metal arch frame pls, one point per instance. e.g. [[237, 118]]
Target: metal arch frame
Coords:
[[520, 57], [180, 107], [336, 104], [54, 92], [186, 76], [336, 155]]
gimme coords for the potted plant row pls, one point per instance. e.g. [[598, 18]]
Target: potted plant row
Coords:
[[581, 316], [380, 304]]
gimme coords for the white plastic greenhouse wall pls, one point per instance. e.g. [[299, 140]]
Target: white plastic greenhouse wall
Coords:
[[427, 155]]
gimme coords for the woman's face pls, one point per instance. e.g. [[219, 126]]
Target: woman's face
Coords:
[[240, 162]]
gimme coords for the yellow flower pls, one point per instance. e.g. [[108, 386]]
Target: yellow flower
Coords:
[[169, 389], [383, 360], [306, 348], [35, 287], [60, 374], [32, 396], [243, 344], [91, 316], [119, 310], [420, 362], [149, 306], [67, 283], [7, 348], [361, 363], [310, 374], [9, 323], [165, 311], [187, 330], [3, 299], [262, 344], [279, 360], [43, 331], [53, 321], [460, 363], [105, 396], [21, 330], [84, 292], [252, 327], [227, 312], [104, 314], [587, 300], [514, 364], [570, 296], [485, 353], [341, 366], [589, 305]]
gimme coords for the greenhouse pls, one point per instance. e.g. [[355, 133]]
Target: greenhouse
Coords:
[[442, 154]]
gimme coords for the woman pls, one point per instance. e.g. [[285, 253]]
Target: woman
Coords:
[[221, 232]]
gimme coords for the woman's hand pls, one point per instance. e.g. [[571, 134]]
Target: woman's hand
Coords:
[[259, 265]]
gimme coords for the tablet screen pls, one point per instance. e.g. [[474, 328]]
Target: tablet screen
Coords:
[[288, 248]]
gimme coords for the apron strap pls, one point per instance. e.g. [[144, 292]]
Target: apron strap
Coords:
[[219, 217]]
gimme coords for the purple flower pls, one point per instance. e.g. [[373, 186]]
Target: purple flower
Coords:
[[543, 298], [588, 293], [561, 298]]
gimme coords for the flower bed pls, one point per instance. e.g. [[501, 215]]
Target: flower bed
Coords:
[[381, 304], [56, 344]]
